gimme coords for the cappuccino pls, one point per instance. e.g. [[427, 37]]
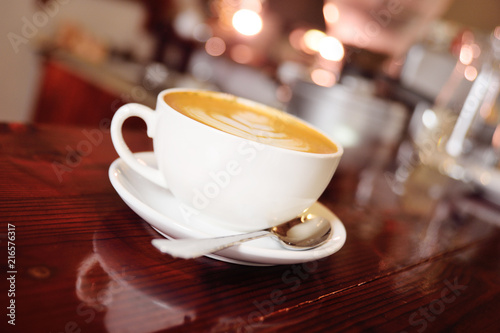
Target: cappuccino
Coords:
[[250, 120], [203, 144]]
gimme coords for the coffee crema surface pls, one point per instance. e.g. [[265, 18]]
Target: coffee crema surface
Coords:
[[249, 120]]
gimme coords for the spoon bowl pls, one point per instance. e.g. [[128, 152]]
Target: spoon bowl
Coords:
[[302, 233]]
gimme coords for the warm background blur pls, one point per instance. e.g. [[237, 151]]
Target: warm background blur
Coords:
[[76, 61]]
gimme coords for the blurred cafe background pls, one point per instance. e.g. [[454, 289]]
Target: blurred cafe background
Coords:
[[401, 84]]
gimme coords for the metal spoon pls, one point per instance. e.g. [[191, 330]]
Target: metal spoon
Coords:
[[302, 233]]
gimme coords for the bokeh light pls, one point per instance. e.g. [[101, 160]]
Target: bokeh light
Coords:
[[429, 119], [202, 32], [247, 22], [331, 48], [323, 78], [312, 40], [331, 12], [296, 38], [470, 73], [242, 54], [476, 50], [466, 54], [215, 46]]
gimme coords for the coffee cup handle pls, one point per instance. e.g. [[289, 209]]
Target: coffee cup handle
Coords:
[[150, 118]]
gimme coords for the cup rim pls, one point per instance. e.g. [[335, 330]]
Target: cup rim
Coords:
[[338, 153]]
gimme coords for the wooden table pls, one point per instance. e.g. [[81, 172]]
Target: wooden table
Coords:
[[82, 260]]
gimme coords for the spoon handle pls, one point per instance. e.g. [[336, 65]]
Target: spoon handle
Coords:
[[194, 248]]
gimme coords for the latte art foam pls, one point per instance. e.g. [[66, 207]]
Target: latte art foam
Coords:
[[253, 122]]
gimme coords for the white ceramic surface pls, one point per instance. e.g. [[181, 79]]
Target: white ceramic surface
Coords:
[[158, 207], [211, 170]]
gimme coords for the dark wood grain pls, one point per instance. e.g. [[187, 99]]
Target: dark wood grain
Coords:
[[85, 262]]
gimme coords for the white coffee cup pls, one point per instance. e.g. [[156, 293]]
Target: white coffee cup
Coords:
[[241, 183]]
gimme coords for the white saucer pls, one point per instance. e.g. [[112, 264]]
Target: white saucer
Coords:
[[172, 219]]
